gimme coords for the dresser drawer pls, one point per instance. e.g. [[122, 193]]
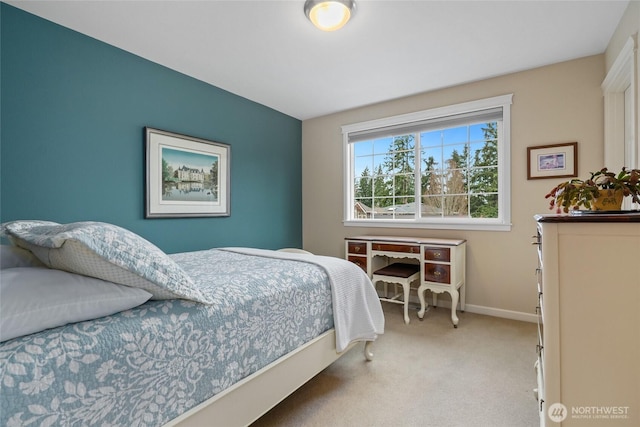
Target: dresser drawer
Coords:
[[388, 247], [360, 261], [440, 273], [357, 248], [437, 254]]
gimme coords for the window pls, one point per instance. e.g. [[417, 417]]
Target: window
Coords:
[[441, 168]]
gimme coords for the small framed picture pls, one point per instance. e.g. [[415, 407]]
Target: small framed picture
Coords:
[[552, 161], [185, 176]]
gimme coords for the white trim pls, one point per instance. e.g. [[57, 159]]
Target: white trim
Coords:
[[505, 314], [621, 76], [441, 225], [618, 77], [347, 176], [494, 312], [504, 167], [621, 145], [448, 110]]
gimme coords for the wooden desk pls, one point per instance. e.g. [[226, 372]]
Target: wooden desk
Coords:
[[442, 263]]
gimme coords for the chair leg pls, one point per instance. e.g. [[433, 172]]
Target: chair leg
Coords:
[[406, 287]]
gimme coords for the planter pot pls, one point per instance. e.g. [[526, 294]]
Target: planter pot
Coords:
[[608, 200]]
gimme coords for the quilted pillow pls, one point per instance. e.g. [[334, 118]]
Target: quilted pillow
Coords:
[[107, 252], [22, 224], [35, 299]]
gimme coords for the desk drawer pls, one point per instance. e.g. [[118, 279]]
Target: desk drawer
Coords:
[[440, 273], [360, 261], [437, 254], [357, 248], [388, 247]]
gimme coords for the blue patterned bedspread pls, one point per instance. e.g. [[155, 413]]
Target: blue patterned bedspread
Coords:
[[146, 366]]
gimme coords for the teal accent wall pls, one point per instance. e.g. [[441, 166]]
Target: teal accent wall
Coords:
[[72, 118]]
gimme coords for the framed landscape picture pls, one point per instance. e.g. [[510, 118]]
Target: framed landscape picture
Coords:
[[185, 176], [552, 161]]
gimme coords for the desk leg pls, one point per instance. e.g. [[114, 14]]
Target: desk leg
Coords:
[[423, 303], [455, 296], [454, 303]]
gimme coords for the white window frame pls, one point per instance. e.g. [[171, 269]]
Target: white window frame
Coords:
[[502, 223]]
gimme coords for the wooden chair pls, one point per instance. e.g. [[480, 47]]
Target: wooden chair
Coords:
[[398, 274]]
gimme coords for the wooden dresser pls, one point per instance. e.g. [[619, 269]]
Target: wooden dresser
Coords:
[[589, 320]]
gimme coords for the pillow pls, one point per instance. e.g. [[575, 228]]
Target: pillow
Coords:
[[35, 299], [23, 224], [107, 252], [13, 256]]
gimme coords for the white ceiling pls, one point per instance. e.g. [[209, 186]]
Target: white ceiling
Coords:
[[268, 52]]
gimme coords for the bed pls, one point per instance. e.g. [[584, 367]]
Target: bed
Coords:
[[213, 337]]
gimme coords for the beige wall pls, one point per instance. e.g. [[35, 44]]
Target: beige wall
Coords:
[[552, 104]]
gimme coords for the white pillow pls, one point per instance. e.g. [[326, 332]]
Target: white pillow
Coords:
[[13, 256], [107, 252], [35, 299]]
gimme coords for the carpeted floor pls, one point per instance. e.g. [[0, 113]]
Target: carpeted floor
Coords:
[[424, 374]]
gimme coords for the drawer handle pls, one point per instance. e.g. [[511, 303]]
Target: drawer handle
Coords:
[[437, 273], [437, 254], [357, 248]]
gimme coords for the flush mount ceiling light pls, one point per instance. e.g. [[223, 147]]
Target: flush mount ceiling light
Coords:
[[329, 15]]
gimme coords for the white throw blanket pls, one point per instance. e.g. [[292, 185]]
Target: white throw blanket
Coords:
[[357, 313]]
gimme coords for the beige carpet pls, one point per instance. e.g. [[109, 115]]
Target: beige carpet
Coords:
[[424, 374]]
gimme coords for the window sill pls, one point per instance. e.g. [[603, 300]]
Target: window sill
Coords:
[[428, 225]]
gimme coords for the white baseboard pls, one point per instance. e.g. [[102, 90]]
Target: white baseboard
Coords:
[[497, 312], [479, 309], [488, 311]]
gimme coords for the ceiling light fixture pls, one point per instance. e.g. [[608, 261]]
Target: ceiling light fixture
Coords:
[[329, 15]]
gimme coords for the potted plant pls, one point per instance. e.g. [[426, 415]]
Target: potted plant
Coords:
[[604, 190]]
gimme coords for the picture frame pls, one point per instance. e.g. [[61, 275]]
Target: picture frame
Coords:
[[552, 161], [185, 176]]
